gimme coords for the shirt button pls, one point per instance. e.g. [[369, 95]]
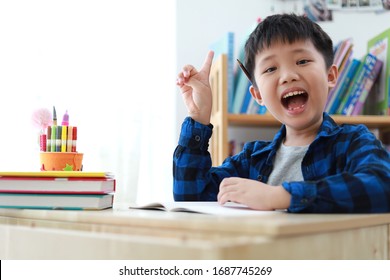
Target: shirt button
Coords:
[[197, 138], [304, 200]]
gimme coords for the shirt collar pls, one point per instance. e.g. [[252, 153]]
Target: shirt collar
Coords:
[[328, 128]]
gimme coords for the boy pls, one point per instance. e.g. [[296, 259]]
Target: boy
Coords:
[[312, 164]]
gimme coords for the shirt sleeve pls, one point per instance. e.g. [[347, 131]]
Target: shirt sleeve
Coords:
[[194, 178], [353, 178]]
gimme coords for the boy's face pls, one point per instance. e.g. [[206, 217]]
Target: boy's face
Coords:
[[293, 82]]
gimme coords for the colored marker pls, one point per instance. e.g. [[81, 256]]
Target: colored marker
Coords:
[[54, 116], [53, 138], [48, 145], [70, 139], [65, 118], [74, 139], [58, 138], [63, 138], [42, 142]]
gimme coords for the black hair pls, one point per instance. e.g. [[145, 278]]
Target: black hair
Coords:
[[286, 28]]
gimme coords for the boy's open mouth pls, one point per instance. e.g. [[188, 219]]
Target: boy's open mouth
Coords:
[[294, 100]]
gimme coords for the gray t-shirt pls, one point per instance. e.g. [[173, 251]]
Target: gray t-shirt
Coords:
[[287, 165]]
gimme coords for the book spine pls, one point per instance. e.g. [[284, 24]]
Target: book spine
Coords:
[[359, 85], [242, 83], [379, 46], [367, 87], [344, 85], [353, 84], [240, 94], [247, 99], [333, 92]]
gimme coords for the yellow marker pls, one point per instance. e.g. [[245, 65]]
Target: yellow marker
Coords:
[[70, 138], [64, 138]]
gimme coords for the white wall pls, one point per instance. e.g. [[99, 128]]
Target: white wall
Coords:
[[201, 22]]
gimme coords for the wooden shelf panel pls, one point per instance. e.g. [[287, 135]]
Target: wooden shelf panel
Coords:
[[267, 120]]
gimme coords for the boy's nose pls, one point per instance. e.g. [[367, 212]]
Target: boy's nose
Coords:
[[288, 75]]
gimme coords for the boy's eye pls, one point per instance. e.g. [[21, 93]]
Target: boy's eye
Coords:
[[269, 70], [302, 61]]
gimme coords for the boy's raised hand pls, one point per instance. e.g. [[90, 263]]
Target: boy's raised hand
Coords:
[[196, 91]]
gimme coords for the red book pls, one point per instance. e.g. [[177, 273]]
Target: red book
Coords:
[[63, 182]]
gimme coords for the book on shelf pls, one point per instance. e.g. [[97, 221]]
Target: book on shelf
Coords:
[[348, 89], [241, 82], [247, 100], [56, 201], [359, 81], [333, 93], [225, 45], [86, 185], [379, 46], [202, 207], [255, 108], [367, 87], [342, 59], [342, 86], [342, 53]]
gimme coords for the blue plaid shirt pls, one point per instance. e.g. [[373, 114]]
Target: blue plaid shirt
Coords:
[[345, 169]]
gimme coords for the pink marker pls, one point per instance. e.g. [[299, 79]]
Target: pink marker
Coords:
[[65, 118], [42, 142]]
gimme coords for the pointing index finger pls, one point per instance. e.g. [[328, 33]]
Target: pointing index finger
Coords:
[[208, 62]]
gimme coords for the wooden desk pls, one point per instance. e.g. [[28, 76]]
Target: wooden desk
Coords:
[[142, 234]]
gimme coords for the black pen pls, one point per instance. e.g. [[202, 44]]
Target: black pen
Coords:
[[54, 116], [244, 70]]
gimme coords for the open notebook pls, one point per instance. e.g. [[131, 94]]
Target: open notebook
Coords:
[[202, 207]]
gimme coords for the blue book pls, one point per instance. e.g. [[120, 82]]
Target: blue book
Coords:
[[333, 92], [344, 86], [359, 80], [225, 45], [248, 97], [241, 80], [262, 110], [367, 86]]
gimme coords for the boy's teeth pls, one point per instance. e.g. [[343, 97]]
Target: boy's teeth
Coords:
[[292, 93], [295, 108]]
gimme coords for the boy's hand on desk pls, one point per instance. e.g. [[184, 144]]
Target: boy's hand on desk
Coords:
[[254, 194], [196, 91]]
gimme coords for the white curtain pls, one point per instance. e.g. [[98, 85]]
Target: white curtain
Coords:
[[111, 64]]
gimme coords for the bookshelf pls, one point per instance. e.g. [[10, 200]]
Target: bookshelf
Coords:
[[222, 120]]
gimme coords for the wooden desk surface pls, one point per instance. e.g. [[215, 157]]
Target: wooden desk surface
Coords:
[[270, 224], [205, 236]]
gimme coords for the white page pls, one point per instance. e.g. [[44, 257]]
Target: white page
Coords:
[[206, 207]]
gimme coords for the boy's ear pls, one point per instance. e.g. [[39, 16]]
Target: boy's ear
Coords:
[[256, 94], [333, 74]]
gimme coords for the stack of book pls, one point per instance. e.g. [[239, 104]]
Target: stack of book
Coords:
[[67, 190], [355, 83]]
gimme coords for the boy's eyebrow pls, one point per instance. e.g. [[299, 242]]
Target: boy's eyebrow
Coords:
[[298, 50]]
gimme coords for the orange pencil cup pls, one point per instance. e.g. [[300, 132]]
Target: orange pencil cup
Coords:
[[61, 161]]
